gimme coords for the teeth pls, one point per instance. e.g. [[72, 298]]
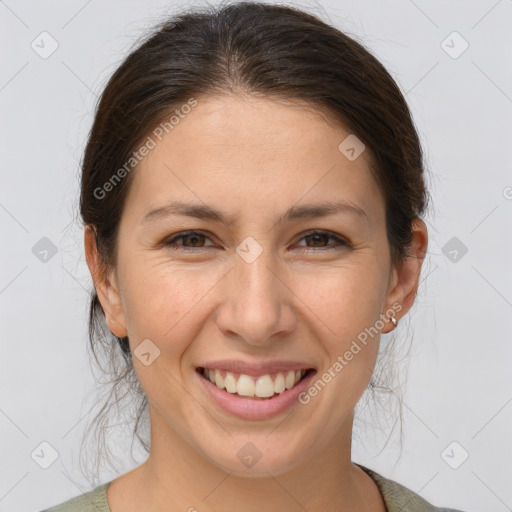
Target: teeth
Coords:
[[261, 387], [290, 379], [245, 386], [279, 386], [264, 387], [230, 383], [219, 380]]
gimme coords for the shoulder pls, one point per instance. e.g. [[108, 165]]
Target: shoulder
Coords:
[[92, 501], [401, 499], [397, 498]]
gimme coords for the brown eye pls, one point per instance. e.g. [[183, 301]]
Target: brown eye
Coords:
[[319, 238], [194, 238]]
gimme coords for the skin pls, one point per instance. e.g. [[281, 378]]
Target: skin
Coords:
[[252, 159]]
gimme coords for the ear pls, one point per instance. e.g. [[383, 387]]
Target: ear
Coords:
[[404, 280], [106, 286]]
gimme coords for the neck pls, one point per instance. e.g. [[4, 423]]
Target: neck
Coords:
[[176, 476]]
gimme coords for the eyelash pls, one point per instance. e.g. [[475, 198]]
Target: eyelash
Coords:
[[341, 242]]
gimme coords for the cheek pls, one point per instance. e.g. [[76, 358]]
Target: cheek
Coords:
[[161, 304], [347, 305], [346, 300]]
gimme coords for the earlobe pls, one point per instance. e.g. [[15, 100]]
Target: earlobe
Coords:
[[106, 286]]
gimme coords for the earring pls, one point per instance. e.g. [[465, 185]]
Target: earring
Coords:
[[394, 321]]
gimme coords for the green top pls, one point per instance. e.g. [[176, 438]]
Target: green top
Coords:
[[397, 498]]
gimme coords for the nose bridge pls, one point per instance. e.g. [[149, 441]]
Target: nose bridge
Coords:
[[255, 280], [255, 307]]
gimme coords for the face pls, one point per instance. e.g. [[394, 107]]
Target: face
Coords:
[[265, 281]]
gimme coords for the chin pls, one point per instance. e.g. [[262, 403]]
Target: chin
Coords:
[[246, 458]]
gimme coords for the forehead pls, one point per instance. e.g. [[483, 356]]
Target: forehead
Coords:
[[248, 151], [268, 125]]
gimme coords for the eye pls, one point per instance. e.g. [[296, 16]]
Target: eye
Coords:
[[318, 237], [197, 239]]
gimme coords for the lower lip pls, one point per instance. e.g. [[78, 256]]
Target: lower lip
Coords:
[[255, 409]]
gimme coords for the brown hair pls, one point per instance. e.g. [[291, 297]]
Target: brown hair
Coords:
[[271, 51]]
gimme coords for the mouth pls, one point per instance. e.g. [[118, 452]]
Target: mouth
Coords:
[[255, 387]]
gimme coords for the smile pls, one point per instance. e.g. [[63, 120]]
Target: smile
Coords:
[[239, 394], [262, 386]]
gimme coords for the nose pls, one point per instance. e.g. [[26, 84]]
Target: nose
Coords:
[[257, 304]]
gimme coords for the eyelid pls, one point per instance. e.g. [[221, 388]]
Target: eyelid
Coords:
[[341, 241], [182, 234]]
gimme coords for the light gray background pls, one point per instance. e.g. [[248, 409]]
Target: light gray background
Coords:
[[459, 380]]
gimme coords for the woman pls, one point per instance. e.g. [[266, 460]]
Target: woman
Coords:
[[252, 194]]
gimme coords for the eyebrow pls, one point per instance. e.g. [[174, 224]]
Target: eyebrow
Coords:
[[205, 212]]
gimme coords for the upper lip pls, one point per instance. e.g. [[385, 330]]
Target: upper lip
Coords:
[[256, 368]]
